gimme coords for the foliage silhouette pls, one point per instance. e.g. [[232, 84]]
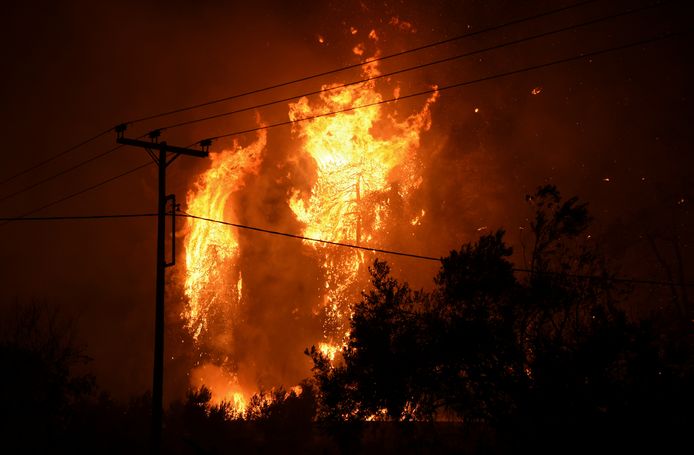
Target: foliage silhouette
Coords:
[[488, 360], [539, 359], [40, 385], [273, 421]]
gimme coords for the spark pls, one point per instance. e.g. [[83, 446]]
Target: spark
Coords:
[[402, 25]]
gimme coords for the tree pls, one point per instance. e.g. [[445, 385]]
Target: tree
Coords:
[[475, 309], [383, 351], [553, 353], [415, 355], [273, 421], [583, 354], [41, 387]]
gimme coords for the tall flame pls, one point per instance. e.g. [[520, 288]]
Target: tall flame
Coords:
[[366, 161], [360, 155], [211, 248]]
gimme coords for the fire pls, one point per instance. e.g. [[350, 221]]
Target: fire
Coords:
[[329, 350], [360, 155], [417, 220], [366, 162], [223, 386], [213, 282], [403, 25], [211, 248]]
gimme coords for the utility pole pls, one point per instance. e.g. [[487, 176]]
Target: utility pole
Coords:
[[162, 161]]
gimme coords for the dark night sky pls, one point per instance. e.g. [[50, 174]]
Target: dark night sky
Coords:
[[614, 130]]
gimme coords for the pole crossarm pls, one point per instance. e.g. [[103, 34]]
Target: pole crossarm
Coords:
[[163, 147]]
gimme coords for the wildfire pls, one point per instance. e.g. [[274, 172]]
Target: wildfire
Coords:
[[360, 155], [212, 248], [366, 161], [223, 385], [329, 350], [213, 281]]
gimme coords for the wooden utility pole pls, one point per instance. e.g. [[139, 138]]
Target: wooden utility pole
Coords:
[[162, 160]]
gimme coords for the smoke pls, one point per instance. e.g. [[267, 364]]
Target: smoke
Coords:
[[346, 178], [81, 67], [473, 165]]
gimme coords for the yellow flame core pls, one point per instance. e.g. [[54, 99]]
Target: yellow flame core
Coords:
[[213, 283], [212, 248], [360, 155], [329, 350]]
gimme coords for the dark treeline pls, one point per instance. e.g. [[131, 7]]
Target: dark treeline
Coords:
[[549, 359], [489, 361]]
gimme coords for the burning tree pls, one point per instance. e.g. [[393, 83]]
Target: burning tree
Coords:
[[356, 169]]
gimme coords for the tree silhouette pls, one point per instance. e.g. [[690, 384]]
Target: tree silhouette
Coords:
[[416, 356], [275, 421], [549, 353], [40, 388]]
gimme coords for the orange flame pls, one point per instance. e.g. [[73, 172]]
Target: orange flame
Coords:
[[210, 247], [213, 282], [359, 154], [223, 386], [364, 158]]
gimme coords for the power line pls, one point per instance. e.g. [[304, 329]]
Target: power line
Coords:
[[332, 243], [77, 193], [56, 156], [340, 86], [605, 278], [415, 67], [302, 79], [369, 61], [61, 173], [78, 217], [359, 81], [301, 237], [457, 85], [64, 171], [427, 258], [412, 95]]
